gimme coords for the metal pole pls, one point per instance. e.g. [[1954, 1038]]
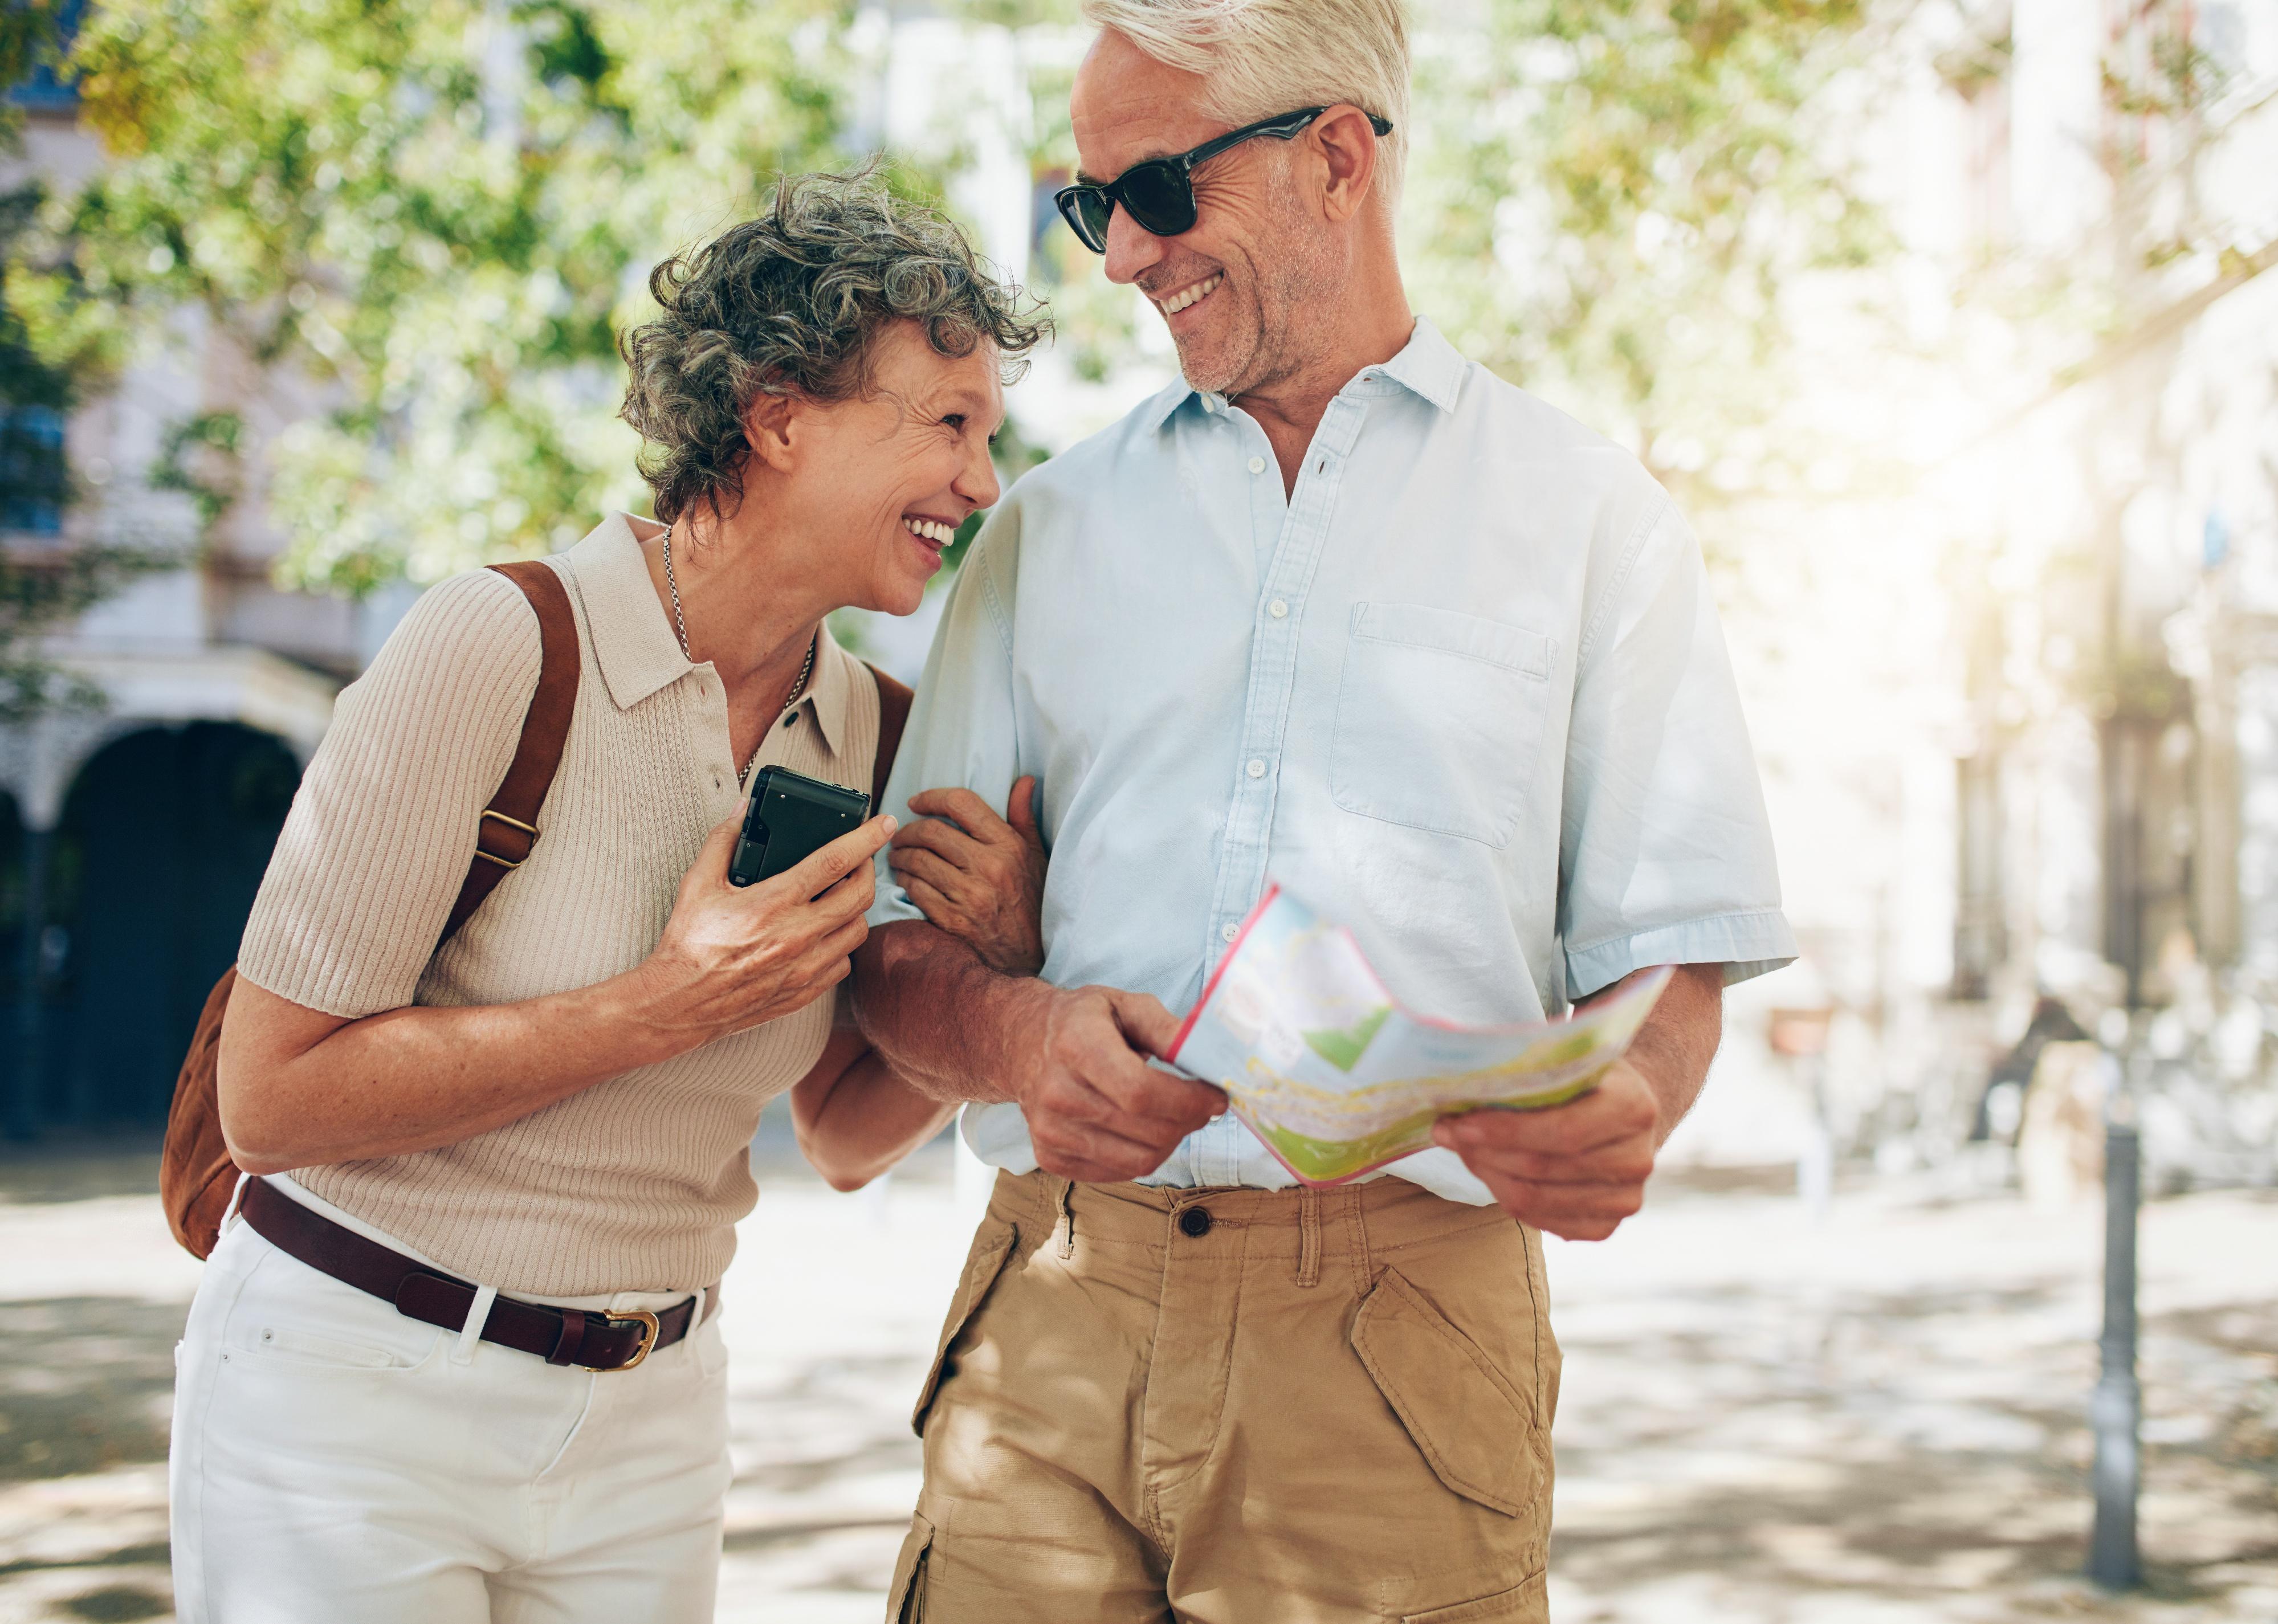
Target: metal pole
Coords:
[[2115, 1408]]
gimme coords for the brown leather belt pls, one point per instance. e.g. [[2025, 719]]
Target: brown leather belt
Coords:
[[590, 1340]]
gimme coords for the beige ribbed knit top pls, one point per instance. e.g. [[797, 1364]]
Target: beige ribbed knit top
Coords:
[[634, 1184]]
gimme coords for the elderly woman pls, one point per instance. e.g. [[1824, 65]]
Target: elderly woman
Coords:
[[545, 1121]]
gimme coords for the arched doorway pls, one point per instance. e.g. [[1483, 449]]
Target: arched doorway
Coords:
[[158, 853]]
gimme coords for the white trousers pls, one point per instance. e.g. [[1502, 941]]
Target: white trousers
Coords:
[[333, 1460]]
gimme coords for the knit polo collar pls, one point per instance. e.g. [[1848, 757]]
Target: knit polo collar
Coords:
[[633, 639]]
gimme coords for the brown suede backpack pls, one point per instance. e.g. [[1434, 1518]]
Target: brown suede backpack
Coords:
[[196, 1176]]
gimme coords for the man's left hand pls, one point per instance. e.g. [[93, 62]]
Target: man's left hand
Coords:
[[1576, 1169]]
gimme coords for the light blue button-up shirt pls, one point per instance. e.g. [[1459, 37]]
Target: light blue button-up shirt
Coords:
[[1463, 690]]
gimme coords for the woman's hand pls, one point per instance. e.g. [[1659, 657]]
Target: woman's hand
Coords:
[[977, 876], [733, 957]]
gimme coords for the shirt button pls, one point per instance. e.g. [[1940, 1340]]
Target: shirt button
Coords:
[[790, 719], [1256, 768], [1229, 932], [719, 783], [1257, 465], [1278, 609]]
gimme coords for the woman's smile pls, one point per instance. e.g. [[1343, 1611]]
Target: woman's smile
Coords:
[[934, 535]]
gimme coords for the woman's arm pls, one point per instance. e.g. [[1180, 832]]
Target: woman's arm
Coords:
[[978, 877], [302, 1088], [855, 1116]]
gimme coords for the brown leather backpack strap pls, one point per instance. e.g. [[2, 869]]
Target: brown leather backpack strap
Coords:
[[893, 715], [507, 829]]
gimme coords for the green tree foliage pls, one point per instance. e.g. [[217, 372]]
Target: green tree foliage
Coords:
[[42, 584], [1612, 200], [435, 211], [439, 211]]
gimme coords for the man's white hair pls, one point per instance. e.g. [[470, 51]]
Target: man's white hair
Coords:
[[1262, 57]]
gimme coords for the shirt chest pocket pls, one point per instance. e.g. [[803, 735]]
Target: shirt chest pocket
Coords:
[[1440, 719]]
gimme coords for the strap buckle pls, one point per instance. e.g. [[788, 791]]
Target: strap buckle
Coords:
[[631, 1316], [512, 823]]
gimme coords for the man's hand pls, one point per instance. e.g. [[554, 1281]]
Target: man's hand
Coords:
[[1098, 1112], [978, 876], [1576, 1169]]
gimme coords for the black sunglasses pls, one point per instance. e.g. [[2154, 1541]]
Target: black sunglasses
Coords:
[[1159, 193]]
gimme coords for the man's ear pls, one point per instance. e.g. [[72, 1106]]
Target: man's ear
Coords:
[[772, 428], [1347, 145]]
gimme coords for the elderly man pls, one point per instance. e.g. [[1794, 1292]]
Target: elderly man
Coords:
[[1344, 609]]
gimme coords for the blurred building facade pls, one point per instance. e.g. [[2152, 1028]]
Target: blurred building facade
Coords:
[[2076, 801], [132, 835]]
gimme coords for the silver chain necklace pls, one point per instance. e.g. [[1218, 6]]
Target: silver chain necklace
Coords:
[[680, 625]]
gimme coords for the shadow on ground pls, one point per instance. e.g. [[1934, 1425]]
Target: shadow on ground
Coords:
[[1882, 1447], [85, 1384]]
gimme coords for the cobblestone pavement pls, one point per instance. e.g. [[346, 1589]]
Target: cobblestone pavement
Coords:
[[1875, 1420]]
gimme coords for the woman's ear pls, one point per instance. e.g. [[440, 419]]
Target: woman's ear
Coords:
[[771, 429]]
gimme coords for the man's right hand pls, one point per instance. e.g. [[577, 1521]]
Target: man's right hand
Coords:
[[1097, 1111]]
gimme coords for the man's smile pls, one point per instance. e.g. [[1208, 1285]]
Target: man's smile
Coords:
[[1190, 295]]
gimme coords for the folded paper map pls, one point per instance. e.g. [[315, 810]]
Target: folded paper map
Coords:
[[1336, 1080]]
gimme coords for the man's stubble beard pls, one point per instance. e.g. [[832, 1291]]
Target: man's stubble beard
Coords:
[[1290, 305]]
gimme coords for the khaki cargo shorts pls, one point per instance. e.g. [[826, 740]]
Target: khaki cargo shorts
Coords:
[[1236, 1407]]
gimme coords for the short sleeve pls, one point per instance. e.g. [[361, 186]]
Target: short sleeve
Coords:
[[1666, 854], [962, 730], [383, 827]]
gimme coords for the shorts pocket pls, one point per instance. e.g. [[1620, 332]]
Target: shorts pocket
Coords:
[[906, 1598], [1439, 720], [987, 1261], [1528, 1604], [306, 1347], [1469, 1422]]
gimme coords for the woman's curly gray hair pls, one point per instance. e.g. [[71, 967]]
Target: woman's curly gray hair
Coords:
[[789, 303]]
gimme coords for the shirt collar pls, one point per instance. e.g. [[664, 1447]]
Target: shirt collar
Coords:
[[634, 641], [1428, 365], [831, 691]]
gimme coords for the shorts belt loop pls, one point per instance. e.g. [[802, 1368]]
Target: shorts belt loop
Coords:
[[1308, 1236], [236, 1200], [572, 1341], [1066, 1225], [479, 1314], [1357, 1238]]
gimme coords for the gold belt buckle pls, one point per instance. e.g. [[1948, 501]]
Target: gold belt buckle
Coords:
[[631, 1316]]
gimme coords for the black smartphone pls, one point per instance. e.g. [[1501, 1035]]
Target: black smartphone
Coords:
[[791, 817]]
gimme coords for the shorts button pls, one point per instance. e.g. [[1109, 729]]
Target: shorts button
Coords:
[[1195, 1221]]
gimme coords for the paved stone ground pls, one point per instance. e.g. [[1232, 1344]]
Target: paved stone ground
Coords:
[[1874, 1420]]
